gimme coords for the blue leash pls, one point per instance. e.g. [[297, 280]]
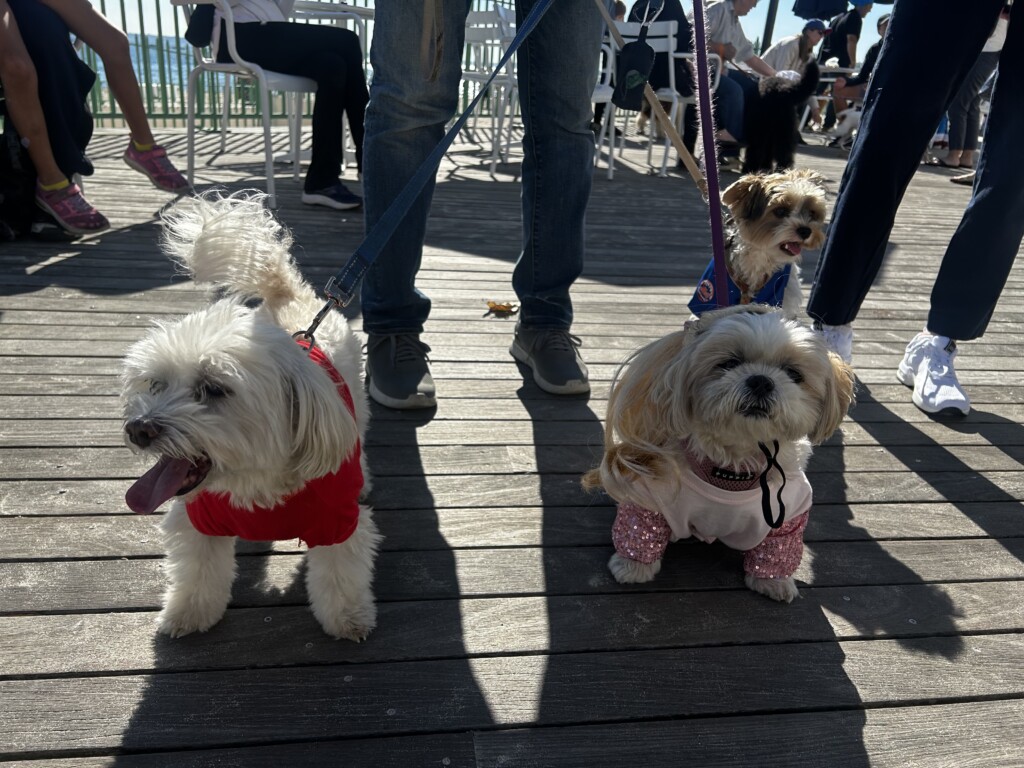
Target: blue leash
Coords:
[[341, 289]]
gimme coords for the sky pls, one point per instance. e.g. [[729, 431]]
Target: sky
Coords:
[[787, 24]]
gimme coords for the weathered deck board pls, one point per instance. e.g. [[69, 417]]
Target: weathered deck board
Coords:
[[503, 640]]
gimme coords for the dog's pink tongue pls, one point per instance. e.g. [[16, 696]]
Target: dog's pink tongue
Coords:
[[793, 248], [158, 485]]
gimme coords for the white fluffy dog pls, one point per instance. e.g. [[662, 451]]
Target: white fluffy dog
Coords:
[[707, 435], [254, 435]]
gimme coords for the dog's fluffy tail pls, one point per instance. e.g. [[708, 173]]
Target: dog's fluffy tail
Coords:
[[235, 244]]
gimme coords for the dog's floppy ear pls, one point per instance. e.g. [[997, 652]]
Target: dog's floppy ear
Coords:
[[747, 198], [324, 432], [836, 401], [643, 414]]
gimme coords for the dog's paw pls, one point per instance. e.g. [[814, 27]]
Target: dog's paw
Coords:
[[350, 623], [628, 571], [783, 590], [184, 615]]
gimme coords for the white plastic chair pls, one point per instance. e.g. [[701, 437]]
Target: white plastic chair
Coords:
[[488, 33], [603, 95], [661, 36], [266, 81]]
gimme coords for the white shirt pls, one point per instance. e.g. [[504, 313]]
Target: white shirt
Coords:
[[785, 55], [723, 26]]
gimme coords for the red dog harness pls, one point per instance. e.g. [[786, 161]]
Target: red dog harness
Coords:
[[324, 512]]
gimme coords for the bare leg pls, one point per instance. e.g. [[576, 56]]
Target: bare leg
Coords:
[[111, 45], [21, 90]]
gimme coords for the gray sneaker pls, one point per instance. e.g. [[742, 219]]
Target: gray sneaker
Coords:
[[553, 356], [397, 372]]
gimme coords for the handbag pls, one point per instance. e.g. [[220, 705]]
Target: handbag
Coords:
[[632, 68]]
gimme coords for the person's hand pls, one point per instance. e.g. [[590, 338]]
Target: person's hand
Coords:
[[840, 82]]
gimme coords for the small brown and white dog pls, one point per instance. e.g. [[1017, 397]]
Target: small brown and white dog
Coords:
[[254, 435], [707, 435], [772, 218]]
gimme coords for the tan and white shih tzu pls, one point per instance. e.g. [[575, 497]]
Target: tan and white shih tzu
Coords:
[[254, 435], [707, 435], [772, 218]]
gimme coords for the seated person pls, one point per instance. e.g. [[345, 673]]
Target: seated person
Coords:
[[46, 107], [111, 45], [792, 53], [671, 11], [845, 91], [726, 38], [841, 43], [331, 56]]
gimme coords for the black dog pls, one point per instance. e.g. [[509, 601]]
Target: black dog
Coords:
[[771, 120]]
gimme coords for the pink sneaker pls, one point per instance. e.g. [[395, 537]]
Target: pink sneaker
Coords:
[[71, 210], [154, 164]]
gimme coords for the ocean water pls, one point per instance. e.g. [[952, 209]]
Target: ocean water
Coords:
[[148, 51]]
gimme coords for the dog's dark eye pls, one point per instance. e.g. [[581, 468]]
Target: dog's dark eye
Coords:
[[728, 365], [781, 213], [156, 387], [208, 390], [794, 374]]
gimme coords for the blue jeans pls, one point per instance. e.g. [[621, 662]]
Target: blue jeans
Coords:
[[899, 119], [731, 97], [557, 71]]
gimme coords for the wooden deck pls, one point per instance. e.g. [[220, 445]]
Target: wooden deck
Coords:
[[503, 640]]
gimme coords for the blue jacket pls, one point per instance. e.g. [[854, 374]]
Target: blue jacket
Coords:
[[704, 297]]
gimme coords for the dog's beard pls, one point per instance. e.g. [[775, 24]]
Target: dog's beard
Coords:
[[733, 418]]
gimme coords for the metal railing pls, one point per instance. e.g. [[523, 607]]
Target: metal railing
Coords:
[[163, 60]]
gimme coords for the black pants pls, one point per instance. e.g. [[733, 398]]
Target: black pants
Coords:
[[333, 58], [899, 119]]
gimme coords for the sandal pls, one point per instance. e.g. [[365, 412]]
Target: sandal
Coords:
[[940, 163], [967, 179]]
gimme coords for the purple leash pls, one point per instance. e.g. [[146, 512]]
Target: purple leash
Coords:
[[707, 123]]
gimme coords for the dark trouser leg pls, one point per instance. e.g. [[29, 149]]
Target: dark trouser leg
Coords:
[[899, 119], [984, 246], [329, 55]]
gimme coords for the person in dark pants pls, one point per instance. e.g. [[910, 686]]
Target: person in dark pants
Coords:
[[331, 56], [898, 121]]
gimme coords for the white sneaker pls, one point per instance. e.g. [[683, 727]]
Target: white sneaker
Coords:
[[838, 338], [927, 366]]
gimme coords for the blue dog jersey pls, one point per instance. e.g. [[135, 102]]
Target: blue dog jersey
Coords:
[[704, 297]]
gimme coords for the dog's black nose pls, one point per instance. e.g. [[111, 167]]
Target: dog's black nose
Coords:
[[142, 432], [759, 385], [804, 232]]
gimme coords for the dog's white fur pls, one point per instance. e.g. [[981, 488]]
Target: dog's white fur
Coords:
[[229, 384], [770, 211], [847, 121], [692, 385]]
